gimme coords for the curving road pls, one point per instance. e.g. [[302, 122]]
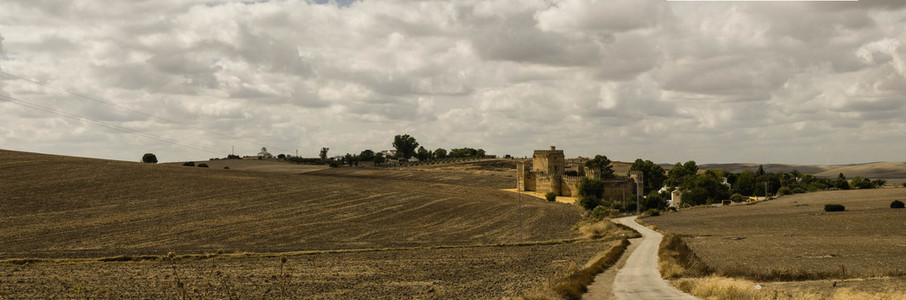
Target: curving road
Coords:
[[639, 278]]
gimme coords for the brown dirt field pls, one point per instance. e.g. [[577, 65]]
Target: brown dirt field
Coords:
[[55, 206], [65, 209], [793, 235], [270, 166], [464, 273]]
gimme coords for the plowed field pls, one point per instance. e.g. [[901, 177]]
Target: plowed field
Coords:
[[65, 208]]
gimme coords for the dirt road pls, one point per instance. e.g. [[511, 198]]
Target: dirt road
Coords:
[[639, 278]]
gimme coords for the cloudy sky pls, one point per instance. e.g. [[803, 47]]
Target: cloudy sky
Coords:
[[769, 82]]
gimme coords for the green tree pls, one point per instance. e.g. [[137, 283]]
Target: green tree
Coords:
[[841, 182], [405, 145], [654, 200], [323, 153], [745, 183], [603, 165], [440, 153], [861, 183], [680, 174], [480, 153], [379, 158], [366, 155], [149, 158], [422, 153], [590, 192], [654, 175]]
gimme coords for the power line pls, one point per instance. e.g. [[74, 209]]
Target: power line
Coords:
[[121, 108], [104, 124]]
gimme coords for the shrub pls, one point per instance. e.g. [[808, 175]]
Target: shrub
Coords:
[[226, 168], [737, 197], [834, 207], [188, 164], [653, 212], [149, 158], [784, 191], [202, 165], [599, 213], [551, 196], [334, 164], [897, 204]]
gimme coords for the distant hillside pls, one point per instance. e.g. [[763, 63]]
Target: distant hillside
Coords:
[[870, 170]]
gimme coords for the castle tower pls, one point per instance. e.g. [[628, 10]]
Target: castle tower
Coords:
[[551, 162]]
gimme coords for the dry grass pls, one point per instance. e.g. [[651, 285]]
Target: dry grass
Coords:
[[576, 284], [718, 287], [592, 229], [676, 260]]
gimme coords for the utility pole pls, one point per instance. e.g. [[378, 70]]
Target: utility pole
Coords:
[[765, 190], [519, 208]]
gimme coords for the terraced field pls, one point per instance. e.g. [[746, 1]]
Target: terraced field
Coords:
[[406, 233]]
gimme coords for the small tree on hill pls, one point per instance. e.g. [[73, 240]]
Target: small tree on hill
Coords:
[[149, 158], [323, 153], [440, 153], [405, 145]]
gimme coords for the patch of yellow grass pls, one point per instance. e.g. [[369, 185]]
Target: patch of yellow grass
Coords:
[[717, 287]]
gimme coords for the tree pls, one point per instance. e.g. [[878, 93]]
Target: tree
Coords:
[[745, 183], [422, 153], [602, 164], [653, 174], [379, 158], [149, 158], [351, 160], [680, 174], [405, 145], [366, 155], [323, 153], [654, 200], [590, 192], [440, 153], [281, 156], [861, 183], [480, 153], [841, 182]]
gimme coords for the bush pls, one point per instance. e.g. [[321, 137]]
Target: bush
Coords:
[[599, 213], [334, 164], [897, 204], [226, 168], [188, 164], [653, 212], [784, 191], [737, 197], [202, 165], [149, 158], [551, 196], [834, 207]]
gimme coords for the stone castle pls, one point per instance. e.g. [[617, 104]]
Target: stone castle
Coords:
[[548, 173]]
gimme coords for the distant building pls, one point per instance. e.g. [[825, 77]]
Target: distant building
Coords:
[[548, 174], [264, 154]]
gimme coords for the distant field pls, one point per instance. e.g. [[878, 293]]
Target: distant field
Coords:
[[56, 206], [794, 235]]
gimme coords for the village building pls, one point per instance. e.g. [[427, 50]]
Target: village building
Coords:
[[550, 172], [264, 154]]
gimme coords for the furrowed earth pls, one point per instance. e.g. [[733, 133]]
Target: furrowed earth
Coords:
[[78, 226]]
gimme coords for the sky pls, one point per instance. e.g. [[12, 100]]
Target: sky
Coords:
[[714, 82]]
